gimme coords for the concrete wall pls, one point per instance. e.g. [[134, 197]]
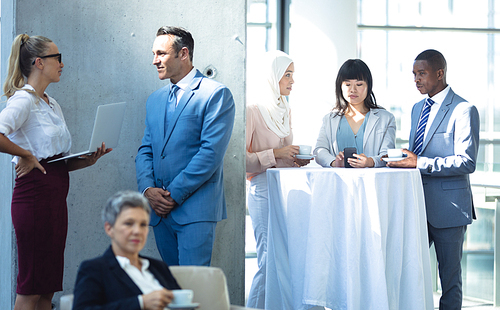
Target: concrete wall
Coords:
[[7, 241], [106, 47]]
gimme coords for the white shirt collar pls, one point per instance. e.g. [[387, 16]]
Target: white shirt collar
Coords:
[[28, 86], [184, 83], [438, 100], [143, 278], [125, 262], [439, 97]]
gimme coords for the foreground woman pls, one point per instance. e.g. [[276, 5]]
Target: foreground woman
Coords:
[[121, 278]]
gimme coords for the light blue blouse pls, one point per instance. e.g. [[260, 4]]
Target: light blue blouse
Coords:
[[347, 138]]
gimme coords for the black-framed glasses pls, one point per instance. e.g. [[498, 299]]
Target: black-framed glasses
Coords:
[[59, 57]]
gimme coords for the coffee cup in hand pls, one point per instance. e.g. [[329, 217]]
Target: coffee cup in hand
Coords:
[[395, 153], [304, 150], [182, 297]]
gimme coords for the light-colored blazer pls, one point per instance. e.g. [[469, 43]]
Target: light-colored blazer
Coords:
[[188, 159], [380, 135], [448, 156]]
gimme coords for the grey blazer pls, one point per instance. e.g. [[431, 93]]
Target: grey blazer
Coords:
[[448, 157], [380, 134]]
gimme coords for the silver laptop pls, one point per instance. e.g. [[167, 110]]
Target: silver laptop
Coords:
[[107, 127]]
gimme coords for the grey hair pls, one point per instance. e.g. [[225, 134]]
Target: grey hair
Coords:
[[121, 201]]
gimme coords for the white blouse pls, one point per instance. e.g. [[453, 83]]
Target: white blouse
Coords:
[[143, 278], [35, 125]]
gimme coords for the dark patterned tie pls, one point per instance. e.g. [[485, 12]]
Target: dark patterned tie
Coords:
[[419, 138]]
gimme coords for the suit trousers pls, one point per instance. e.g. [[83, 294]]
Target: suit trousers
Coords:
[[189, 244], [448, 243], [259, 213]]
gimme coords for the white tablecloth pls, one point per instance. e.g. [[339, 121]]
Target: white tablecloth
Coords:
[[347, 239]]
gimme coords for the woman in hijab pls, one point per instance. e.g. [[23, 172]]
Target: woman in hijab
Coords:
[[269, 145], [356, 121]]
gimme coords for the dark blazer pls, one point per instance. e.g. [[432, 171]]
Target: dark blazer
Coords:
[[102, 283], [449, 154]]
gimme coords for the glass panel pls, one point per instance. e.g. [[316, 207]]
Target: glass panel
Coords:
[[494, 99], [425, 13], [260, 38], [496, 158], [477, 260], [471, 73], [372, 12], [480, 234], [256, 46], [257, 11], [391, 63], [477, 275], [481, 161]]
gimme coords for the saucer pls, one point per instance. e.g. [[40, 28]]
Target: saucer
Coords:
[[184, 307], [305, 156], [387, 159]]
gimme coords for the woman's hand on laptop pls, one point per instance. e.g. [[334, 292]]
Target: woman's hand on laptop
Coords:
[[92, 158], [87, 160]]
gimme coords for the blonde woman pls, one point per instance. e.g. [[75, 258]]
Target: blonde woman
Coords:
[[33, 130], [269, 145]]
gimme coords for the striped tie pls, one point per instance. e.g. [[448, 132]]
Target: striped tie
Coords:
[[419, 138]]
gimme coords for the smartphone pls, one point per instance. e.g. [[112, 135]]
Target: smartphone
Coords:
[[348, 151]]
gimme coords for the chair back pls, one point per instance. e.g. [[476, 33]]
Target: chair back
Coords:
[[66, 302], [208, 284]]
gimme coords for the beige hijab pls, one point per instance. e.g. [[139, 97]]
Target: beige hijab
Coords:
[[272, 105]]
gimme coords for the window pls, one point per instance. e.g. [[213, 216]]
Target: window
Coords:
[[391, 33], [261, 36]]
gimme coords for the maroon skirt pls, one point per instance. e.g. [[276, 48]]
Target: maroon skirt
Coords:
[[40, 217]]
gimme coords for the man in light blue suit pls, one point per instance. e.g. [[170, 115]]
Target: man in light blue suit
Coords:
[[444, 149], [179, 164]]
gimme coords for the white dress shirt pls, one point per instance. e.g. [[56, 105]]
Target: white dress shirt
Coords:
[[143, 278], [438, 100], [34, 125], [184, 84]]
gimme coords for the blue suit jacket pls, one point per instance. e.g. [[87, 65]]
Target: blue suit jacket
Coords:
[[448, 157], [188, 159], [101, 283]]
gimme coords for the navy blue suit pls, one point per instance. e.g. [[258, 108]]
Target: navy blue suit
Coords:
[[103, 284]]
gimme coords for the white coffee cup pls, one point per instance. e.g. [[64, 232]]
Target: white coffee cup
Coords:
[[304, 150], [395, 153], [182, 297]]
